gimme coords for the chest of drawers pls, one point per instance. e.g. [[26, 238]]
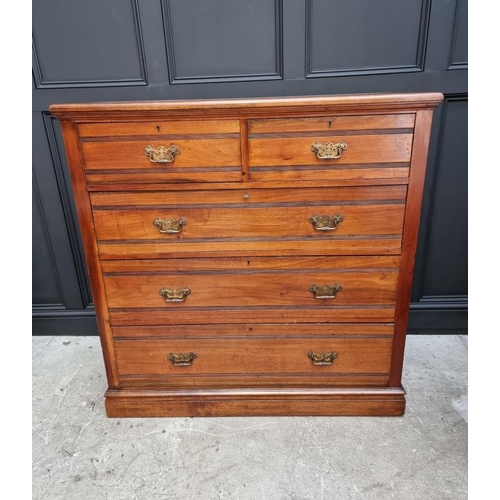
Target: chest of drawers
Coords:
[[254, 256]]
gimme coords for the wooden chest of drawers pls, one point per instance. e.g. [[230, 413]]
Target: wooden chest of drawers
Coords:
[[251, 257]]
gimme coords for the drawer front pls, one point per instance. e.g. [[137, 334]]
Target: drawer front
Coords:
[[341, 220], [334, 282], [331, 148], [240, 290], [317, 221], [155, 152], [185, 361]]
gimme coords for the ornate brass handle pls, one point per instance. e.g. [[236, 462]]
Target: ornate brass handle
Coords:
[[322, 358], [325, 291], [328, 151], [326, 222], [161, 154], [170, 225], [182, 359], [174, 294]]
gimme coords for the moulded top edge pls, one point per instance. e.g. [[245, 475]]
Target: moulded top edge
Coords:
[[251, 106]]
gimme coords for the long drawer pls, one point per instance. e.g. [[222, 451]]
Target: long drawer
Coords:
[[243, 361], [201, 290], [322, 220]]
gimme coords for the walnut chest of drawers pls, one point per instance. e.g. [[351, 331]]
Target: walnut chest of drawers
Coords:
[[253, 256]]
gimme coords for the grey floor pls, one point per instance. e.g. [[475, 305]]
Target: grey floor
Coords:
[[78, 453]]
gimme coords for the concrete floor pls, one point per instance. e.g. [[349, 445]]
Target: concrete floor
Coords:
[[79, 454]]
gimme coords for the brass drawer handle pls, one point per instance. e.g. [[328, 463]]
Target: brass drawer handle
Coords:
[[175, 294], [170, 225], [162, 154], [328, 151], [325, 291], [182, 359], [326, 222], [322, 358]]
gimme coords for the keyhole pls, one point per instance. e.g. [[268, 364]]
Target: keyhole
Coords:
[[158, 128], [329, 124]]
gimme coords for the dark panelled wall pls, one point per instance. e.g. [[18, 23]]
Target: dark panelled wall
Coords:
[[181, 49]]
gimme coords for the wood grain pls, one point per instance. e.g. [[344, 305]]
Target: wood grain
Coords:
[[84, 212], [214, 381], [412, 220], [248, 196], [154, 178], [257, 315], [245, 264], [130, 154], [272, 106], [360, 149], [252, 357], [238, 289], [268, 221], [248, 182], [331, 123], [254, 402], [159, 127], [325, 245], [121, 184], [336, 174], [348, 330], [244, 149]]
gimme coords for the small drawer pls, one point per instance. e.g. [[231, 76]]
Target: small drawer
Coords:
[[331, 148], [156, 152], [242, 361]]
